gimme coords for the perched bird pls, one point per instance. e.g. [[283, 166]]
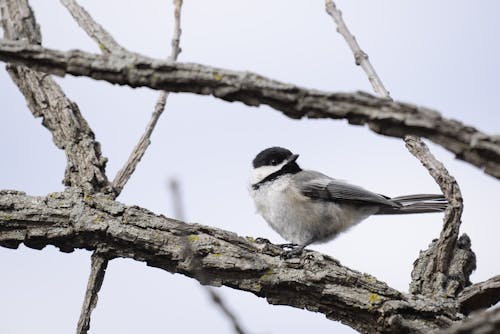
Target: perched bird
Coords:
[[306, 206]]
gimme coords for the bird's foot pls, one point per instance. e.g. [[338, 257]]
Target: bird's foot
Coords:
[[290, 245], [291, 250]]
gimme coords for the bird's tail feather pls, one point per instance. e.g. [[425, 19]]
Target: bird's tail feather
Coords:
[[421, 203]]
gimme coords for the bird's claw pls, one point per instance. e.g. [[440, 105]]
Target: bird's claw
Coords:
[[291, 250], [290, 245]]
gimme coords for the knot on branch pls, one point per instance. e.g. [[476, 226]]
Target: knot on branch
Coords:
[[427, 279]]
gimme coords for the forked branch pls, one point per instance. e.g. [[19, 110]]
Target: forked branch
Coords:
[[434, 270]]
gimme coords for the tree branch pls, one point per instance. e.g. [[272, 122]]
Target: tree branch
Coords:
[[109, 46], [98, 267], [196, 265], [446, 266], [126, 171], [360, 57], [85, 163], [104, 40], [432, 271], [315, 282], [482, 323], [394, 119], [480, 295]]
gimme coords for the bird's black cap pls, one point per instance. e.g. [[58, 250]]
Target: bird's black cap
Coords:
[[271, 156]]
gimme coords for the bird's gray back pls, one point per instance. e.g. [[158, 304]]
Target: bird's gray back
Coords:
[[319, 186]]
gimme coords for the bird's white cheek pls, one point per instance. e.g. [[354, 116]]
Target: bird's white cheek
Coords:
[[260, 173]]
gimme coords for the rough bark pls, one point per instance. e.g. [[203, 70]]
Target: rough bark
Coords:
[[97, 271], [444, 268], [314, 281], [389, 118], [85, 163], [480, 295], [482, 323], [104, 40], [79, 219], [109, 46]]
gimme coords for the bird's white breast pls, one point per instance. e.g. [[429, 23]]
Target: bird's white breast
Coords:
[[299, 219]]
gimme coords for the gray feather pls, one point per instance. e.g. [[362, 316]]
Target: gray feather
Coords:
[[421, 203], [321, 187]]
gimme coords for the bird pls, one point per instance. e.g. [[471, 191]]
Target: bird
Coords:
[[307, 207]]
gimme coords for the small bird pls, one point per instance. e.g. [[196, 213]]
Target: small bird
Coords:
[[306, 206]]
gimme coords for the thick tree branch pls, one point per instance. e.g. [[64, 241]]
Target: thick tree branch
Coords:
[[109, 46], [85, 163], [389, 118], [480, 295], [482, 323], [315, 282]]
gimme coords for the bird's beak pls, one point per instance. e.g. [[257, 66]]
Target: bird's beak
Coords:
[[292, 158]]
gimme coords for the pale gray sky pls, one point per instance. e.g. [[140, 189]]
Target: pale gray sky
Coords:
[[437, 54]]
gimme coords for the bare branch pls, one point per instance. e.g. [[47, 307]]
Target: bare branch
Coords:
[[314, 281], [85, 163], [434, 271], [97, 271], [126, 171], [447, 267], [177, 203], [487, 322], [104, 40], [480, 295], [395, 119], [109, 46], [176, 38], [221, 304], [360, 57]]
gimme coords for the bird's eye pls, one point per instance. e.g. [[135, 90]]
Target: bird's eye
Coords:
[[274, 162]]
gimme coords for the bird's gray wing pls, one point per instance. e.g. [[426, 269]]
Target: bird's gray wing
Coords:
[[319, 186]]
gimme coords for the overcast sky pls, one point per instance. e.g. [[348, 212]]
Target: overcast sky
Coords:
[[439, 54]]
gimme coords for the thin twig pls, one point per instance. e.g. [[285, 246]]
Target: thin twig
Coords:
[[195, 263], [97, 271], [449, 235], [126, 171], [106, 42], [360, 57]]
